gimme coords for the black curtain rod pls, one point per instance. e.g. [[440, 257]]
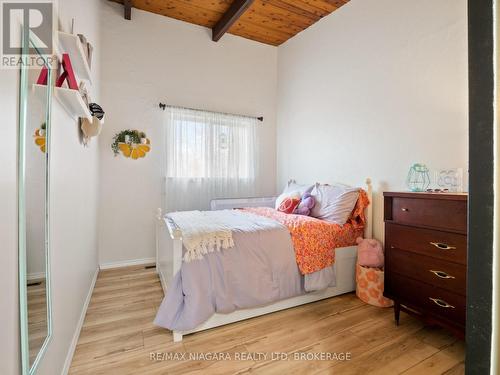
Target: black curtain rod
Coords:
[[163, 106]]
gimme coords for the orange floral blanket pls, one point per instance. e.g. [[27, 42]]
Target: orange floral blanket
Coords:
[[315, 240]]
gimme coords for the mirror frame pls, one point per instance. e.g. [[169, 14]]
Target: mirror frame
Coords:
[[23, 292]]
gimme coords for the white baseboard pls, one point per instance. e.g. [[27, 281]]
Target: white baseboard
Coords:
[[76, 335], [126, 263]]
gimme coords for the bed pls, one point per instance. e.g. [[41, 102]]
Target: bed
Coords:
[[234, 302]]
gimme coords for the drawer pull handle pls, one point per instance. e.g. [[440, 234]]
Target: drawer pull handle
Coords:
[[441, 303], [405, 209], [442, 274], [442, 246]]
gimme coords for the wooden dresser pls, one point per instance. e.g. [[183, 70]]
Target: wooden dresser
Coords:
[[426, 256]]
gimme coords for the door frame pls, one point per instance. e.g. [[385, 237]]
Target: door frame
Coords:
[[481, 186]]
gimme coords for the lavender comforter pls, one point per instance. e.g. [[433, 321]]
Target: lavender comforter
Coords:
[[260, 269]]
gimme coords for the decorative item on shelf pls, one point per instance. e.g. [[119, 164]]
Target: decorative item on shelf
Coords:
[[418, 178], [40, 138], [68, 74], [42, 78], [131, 143], [450, 179], [72, 44], [87, 49], [92, 128], [96, 111]]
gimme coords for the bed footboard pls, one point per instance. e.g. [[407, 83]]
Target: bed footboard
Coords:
[[368, 232], [168, 254], [168, 249]]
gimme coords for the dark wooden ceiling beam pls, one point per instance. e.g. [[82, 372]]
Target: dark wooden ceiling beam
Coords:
[[127, 5], [237, 8]]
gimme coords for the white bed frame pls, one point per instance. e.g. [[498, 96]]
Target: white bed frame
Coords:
[[169, 261]]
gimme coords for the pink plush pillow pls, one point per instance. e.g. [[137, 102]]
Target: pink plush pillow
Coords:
[[370, 253]]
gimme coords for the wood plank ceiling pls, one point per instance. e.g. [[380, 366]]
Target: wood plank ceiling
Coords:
[[268, 21]]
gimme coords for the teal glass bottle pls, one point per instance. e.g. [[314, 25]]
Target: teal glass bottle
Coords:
[[418, 178]]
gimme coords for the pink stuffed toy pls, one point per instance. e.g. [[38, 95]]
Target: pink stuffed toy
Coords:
[[370, 253], [306, 204]]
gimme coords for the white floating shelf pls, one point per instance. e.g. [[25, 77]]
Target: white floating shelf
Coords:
[[40, 91], [71, 44], [73, 102]]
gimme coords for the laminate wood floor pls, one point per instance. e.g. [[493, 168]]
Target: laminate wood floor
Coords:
[[118, 337], [37, 317]]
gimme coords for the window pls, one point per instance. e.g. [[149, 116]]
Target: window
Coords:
[[208, 155]]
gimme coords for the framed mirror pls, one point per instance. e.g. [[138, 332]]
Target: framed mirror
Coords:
[[33, 205]]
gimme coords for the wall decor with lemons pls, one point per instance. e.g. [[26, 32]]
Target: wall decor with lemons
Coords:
[[133, 144], [40, 138]]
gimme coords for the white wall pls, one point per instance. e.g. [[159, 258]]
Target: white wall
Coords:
[[371, 89], [151, 59], [74, 174], [74, 200]]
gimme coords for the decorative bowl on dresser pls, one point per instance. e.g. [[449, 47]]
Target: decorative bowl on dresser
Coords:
[[426, 256]]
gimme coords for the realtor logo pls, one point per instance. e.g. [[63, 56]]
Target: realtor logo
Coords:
[[22, 18]]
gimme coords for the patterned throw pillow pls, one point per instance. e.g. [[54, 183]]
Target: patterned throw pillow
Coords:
[[289, 204]]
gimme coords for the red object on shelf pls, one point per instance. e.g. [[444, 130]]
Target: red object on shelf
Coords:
[[68, 74], [42, 78]]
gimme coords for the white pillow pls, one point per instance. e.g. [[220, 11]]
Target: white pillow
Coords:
[[292, 188], [334, 203]]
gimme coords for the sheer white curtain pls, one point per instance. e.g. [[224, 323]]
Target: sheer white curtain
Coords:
[[208, 155]]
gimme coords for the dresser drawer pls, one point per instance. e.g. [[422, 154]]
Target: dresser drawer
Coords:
[[429, 299], [442, 274], [442, 214], [437, 244]]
